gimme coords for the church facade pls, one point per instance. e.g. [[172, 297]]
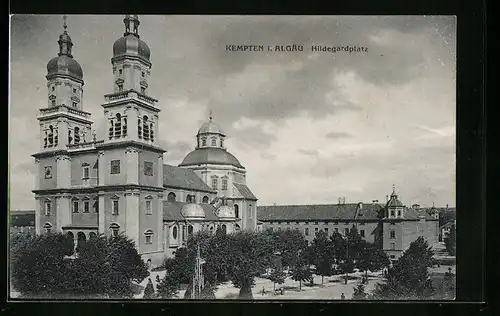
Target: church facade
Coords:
[[87, 186], [118, 183]]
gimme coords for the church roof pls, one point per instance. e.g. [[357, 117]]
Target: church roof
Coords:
[[172, 211], [244, 191], [317, 212], [210, 155], [182, 178], [416, 214]]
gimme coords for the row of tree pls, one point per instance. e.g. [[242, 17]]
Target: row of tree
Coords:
[[242, 256], [48, 266]]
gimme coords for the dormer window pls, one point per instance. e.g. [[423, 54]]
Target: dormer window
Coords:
[[143, 90], [399, 213], [393, 213]]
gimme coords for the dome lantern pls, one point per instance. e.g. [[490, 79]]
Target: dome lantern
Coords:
[[130, 44]]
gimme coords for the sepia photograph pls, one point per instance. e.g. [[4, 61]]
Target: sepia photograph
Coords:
[[232, 157]]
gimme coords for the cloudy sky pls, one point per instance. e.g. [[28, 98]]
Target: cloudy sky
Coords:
[[309, 127]]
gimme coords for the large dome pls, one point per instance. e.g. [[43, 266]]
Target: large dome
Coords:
[[131, 45], [192, 210], [225, 212], [210, 128], [64, 65], [210, 155]]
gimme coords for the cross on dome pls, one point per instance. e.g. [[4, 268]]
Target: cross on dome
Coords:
[[65, 25]]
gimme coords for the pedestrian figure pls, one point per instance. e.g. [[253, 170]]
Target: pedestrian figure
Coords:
[[342, 297]]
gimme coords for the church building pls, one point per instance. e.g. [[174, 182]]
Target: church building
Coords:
[[87, 186]]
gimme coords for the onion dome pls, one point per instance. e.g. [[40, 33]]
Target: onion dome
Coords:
[[210, 155], [64, 64], [192, 210], [394, 201], [210, 128], [130, 43], [225, 211]]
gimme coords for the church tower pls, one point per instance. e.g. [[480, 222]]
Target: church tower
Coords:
[[63, 124], [130, 160]]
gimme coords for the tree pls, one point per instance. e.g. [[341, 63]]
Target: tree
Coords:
[[359, 292], [372, 258], [288, 243], [451, 241], [301, 272], [277, 276], [250, 254], [37, 264], [169, 286], [149, 291], [321, 254], [409, 277]]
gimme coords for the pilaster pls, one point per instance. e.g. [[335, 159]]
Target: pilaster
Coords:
[[160, 170], [63, 165], [132, 216], [132, 163], [63, 209], [102, 172], [62, 126], [160, 222], [37, 215], [37, 174], [102, 213]]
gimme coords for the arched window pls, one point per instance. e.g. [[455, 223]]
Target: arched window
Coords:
[[70, 139], [148, 235], [214, 141], [174, 232], [145, 127], [47, 227], [190, 230], [118, 125], [77, 135], [70, 236], [188, 198], [171, 197], [81, 237], [211, 229], [92, 235], [124, 126], [139, 128], [236, 211], [151, 133], [51, 136], [56, 137], [205, 199], [203, 141], [224, 229], [45, 140], [183, 232], [115, 229], [111, 129], [224, 183], [222, 142]]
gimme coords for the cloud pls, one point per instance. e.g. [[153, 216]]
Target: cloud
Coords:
[[308, 126]]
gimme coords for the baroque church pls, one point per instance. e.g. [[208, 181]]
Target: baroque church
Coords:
[[87, 186]]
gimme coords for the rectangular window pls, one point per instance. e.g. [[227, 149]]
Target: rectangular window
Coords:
[[315, 231], [53, 103], [393, 246], [393, 234], [392, 213], [336, 229], [288, 223], [115, 207], [362, 233], [214, 183], [224, 184], [326, 230], [86, 207], [48, 207], [48, 172], [143, 74], [346, 231], [120, 87], [399, 213], [306, 231], [74, 90], [75, 207], [115, 166], [307, 223], [86, 172], [143, 90], [148, 168], [75, 104], [149, 239], [148, 208]]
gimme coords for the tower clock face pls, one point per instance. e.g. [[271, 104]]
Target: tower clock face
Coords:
[[48, 172]]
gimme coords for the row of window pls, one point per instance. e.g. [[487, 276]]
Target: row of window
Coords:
[[190, 198], [115, 210], [118, 128], [314, 223], [51, 138], [115, 167], [213, 142], [143, 74], [393, 213], [190, 230], [215, 183], [392, 233]]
